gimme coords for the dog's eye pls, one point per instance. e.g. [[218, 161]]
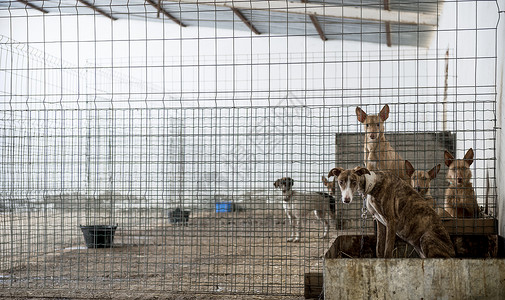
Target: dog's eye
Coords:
[[367, 125], [353, 182], [341, 182]]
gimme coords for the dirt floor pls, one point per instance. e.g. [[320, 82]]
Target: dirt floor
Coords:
[[232, 255]]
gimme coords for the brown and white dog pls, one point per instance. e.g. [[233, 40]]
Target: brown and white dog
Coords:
[[297, 205], [379, 154], [399, 210], [460, 199], [330, 185], [420, 181]]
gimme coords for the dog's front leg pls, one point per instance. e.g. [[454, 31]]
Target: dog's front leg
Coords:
[[298, 229], [320, 216], [381, 239], [390, 239], [291, 227]]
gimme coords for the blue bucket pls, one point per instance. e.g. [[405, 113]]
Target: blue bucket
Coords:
[[224, 207]]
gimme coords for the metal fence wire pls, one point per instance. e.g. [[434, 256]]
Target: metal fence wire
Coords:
[[167, 123]]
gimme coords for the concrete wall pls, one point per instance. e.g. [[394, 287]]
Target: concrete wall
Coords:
[[414, 279]]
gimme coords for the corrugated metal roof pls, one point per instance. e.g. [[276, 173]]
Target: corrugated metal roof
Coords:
[[268, 17]]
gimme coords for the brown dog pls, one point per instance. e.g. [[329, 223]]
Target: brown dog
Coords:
[[460, 199], [399, 210], [379, 154], [420, 181], [330, 185]]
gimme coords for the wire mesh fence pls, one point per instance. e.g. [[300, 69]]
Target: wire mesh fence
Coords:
[[176, 135]]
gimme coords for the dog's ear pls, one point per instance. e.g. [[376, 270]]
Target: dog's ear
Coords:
[[289, 182], [433, 172], [384, 113], [360, 171], [409, 168], [335, 172], [448, 158], [469, 157], [361, 114], [276, 183]]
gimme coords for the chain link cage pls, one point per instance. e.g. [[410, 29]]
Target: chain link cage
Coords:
[[158, 128]]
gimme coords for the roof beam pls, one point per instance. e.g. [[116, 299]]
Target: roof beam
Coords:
[[244, 19], [25, 2], [326, 10], [316, 24], [103, 13], [166, 13], [388, 25]]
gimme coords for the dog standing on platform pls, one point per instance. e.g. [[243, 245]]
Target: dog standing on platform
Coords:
[[460, 199], [379, 154], [399, 210], [297, 205]]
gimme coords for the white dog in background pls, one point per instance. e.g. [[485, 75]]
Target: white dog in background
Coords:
[[297, 205]]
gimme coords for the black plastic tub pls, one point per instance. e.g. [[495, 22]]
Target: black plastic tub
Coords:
[[178, 216], [98, 236]]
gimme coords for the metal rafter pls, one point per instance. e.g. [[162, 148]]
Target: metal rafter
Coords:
[[166, 13], [98, 10], [316, 24], [388, 25], [25, 2], [245, 20]]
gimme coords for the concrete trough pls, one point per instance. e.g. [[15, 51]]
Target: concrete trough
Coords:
[[372, 278], [351, 271]]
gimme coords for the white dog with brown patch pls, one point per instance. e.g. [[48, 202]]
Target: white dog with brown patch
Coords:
[[297, 205]]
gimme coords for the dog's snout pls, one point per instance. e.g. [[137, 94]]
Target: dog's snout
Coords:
[[460, 179], [418, 188], [346, 199]]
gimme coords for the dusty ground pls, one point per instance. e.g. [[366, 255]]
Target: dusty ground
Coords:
[[216, 255]]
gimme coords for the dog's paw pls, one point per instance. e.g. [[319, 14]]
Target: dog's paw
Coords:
[[289, 240], [296, 240]]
